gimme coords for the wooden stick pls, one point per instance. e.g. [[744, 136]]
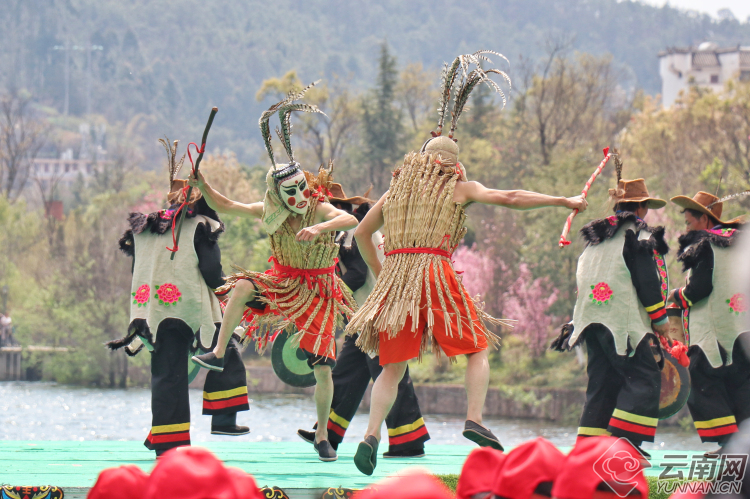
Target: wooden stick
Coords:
[[566, 229], [195, 174]]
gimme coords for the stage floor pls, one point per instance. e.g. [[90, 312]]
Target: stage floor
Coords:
[[293, 466]]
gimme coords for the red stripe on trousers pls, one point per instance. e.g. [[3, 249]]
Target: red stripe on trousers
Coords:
[[334, 427], [658, 314], [221, 404], [409, 437], [713, 432], [632, 427], [169, 437]]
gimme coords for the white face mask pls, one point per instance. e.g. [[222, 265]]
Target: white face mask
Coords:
[[295, 193]]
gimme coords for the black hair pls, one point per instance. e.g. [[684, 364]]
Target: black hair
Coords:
[[696, 214], [631, 206]]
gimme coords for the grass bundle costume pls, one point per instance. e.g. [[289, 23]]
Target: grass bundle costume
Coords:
[[622, 288], [714, 313], [354, 368], [418, 302], [174, 312]]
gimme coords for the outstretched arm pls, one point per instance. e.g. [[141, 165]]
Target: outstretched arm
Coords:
[[331, 220], [372, 222], [221, 204], [474, 192]]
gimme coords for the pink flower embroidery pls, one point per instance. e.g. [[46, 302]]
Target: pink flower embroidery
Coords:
[[612, 220], [601, 293], [168, 294], [142, 295], [738, 304]]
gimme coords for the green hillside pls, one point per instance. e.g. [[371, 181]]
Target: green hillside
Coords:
[[172, 59]]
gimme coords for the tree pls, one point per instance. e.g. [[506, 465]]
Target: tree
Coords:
[[21, 137], [382, 144], [416, 94]]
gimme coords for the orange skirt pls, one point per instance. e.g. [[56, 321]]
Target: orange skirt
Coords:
[[406, 344]]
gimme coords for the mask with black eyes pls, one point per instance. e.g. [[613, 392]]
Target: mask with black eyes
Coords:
[[294, 192]]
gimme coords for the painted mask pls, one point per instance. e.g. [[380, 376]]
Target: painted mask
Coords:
[[295, 193]]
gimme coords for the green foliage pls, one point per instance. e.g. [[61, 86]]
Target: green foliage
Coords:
[[450, 481]]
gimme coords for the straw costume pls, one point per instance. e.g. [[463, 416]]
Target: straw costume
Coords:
[[301, 290], [714, 311], [622, 288], [418, 302], [354, 369], [174, 312]]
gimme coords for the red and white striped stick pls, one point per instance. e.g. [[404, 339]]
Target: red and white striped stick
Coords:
[[564, 236]]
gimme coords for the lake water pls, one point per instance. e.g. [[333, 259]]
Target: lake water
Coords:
[[47, 411]]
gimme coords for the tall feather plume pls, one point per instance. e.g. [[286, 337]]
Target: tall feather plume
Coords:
[[448, 79], [285, 115], [172, 163], [618, 164], [469, 81], [731, 197]]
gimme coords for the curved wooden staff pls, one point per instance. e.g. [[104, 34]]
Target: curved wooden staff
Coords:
[[564, 236], [195, 175]]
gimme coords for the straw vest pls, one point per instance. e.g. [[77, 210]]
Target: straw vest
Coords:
[[164, 288], [714, 323], [606, 294]]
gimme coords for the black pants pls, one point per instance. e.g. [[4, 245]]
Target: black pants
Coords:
[[719, 397], [622, 397], [170, 404], [353, 372]]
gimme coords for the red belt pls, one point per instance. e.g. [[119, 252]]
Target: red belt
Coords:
[[307, 275], [429, 251]]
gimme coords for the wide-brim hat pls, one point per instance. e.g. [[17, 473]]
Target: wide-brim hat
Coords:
[[635, 191], [701, 202], [177, 193], [339, 196]]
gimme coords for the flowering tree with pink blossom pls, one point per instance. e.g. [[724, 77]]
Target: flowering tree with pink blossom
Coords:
[[478, 269], [527, 301]]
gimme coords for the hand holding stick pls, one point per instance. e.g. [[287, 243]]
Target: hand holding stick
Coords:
[[566, 229], [195, 175]]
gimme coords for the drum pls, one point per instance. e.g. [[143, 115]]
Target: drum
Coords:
[[675, 386], [290, 362]]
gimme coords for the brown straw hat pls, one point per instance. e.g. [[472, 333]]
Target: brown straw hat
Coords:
[[339, 196], [706, 204], [635, 191], [176, 196]]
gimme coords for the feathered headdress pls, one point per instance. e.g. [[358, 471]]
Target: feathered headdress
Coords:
[[172, 163], [285, 108], [731, 197], [469, 80]]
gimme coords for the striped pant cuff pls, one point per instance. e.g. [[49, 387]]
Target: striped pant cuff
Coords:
[[632, 426], [168, 436], [225, 401], [716, 430]]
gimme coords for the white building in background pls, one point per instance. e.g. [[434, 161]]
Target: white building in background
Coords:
[[708, 65]]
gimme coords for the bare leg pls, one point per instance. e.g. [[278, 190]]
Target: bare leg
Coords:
[[323, 398], [477, 381], [242, 293], [384, 393]]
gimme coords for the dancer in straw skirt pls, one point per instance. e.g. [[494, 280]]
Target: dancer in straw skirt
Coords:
[[418, 303], [301, 290]]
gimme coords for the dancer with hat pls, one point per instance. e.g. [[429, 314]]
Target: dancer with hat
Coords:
[[354, 369], [301, 289], [622, 289], [174, 311], [713, 312], [418, 302]]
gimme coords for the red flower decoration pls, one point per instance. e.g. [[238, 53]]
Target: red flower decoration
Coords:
[[168, 294], [738, 303], [142, 295], [612, 220], [600, 293]]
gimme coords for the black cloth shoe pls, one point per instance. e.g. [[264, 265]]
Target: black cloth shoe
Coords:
[[714, 453], [366, 458], [209, 361], [307, 436], [325, 451], [404, 454], [230, 430], [480, 435]]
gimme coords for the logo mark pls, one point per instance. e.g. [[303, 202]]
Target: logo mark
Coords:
[[618, 468]]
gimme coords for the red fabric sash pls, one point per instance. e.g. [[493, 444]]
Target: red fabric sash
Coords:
[[308, 276]]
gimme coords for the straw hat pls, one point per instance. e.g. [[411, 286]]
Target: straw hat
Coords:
[[176, 196], [707, 204], [635, 191], [339, 196]]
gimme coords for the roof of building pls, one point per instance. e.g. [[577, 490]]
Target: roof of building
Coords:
[[708, 48]]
